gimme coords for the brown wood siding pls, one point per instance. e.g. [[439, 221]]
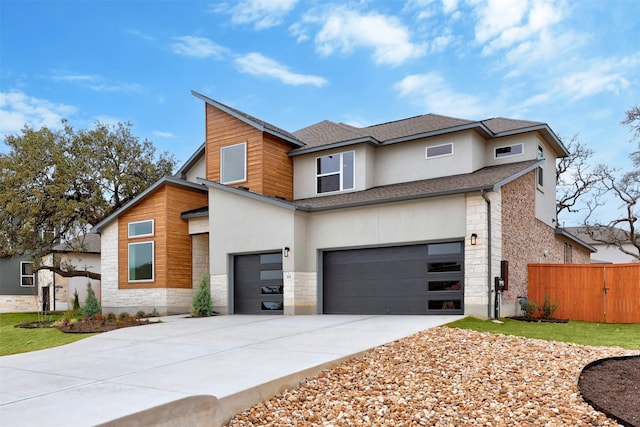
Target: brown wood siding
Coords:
[[152, 207], [278, 168], [178, 246], [269, 169], [172, 243]]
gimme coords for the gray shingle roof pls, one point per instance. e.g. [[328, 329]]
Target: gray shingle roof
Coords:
[[501, 124], [485, 178], [89, 243]]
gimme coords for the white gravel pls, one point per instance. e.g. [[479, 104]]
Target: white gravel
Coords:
[[444, 377]]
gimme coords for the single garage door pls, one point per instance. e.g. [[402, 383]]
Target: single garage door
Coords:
[[417, 279], [257, 287]]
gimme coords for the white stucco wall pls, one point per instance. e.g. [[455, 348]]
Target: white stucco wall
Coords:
[[198, 170]]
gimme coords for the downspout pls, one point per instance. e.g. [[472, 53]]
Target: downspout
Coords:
[[489, 283]]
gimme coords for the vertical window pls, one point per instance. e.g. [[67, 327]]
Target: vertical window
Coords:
[[540, 152], [509, 150], [335, 172], [141, 268], [141, 228], [233, 163], [27, 276], [540, 177], [568, 254]]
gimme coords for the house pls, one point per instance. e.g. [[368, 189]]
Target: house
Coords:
[[18, 290], [80, 254], [414, 216], [606, 253]]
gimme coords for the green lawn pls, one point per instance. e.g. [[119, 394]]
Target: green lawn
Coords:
[[19, 340], [598, 334]]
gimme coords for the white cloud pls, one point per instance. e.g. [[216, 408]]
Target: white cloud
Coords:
[[601, 77], [140, 34], [261, 13], [432, 93], [258, 65], [163, 134], [344, 30], [502, 24], [197, 47], [18, 109], [97, 83]]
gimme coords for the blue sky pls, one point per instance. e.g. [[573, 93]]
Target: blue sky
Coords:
[[572, 64]]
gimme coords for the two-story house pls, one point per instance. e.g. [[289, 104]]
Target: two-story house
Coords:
[[414, 216]]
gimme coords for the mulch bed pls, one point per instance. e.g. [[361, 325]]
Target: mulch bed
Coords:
[[88, 325], [538, 319], [612, 386]]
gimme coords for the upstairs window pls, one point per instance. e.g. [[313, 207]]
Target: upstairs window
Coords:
[[540, 152], [233, 163], [509, 150], [439, 151], [335, 172], [27, 277], [141, 228], [540, 177]]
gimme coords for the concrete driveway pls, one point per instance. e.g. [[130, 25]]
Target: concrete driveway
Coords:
[[185, 371]]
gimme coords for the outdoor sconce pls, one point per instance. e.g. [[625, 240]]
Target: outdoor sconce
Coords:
[[474, 239], [286, 251]]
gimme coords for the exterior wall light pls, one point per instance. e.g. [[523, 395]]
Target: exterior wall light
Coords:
[[474, 239], [286, 251]]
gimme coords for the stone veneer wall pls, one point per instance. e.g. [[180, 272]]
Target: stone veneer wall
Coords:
[[18, 303], [300, 292], [527, 240], [220, 293], [115, 300], [199, 258], [476, 268]]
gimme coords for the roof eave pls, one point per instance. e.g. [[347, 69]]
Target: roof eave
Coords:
[[565, 233], [165, 180], [246, 193], [246, 120], [181, 173], [340, 144], [545, 130], [477, 126]]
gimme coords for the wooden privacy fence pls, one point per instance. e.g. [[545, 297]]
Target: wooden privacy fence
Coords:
[[591, 292]]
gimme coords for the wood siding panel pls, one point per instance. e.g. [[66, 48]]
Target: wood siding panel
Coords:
[[172, 242], [580, 290], [178, 245], [269, 168], [278, 168], [152, 207]]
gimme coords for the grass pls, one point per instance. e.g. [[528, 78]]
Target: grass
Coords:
[[20, 340], [577, 332]]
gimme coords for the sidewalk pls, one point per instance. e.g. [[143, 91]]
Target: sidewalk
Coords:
[[185, 371]]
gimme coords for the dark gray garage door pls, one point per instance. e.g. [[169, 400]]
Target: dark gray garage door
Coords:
[[258, 283], [418, 279]]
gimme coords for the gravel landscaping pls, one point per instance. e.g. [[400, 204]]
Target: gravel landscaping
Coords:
[[444, 377]]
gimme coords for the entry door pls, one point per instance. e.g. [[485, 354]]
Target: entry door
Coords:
[[258, 284]]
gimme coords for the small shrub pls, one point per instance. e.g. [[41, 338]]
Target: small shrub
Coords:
[[529, 308], [154, 313], [91, 305], [202, 299], [123, 315], [548, 308], [76, 301], [140, 314]]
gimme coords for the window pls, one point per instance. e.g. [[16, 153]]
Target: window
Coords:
[[540, 177], [439, 151], [335, 172], [568, 254], [141, 228], [509, 150], [540, 152], [141, 262], [27, 277], [233, 163]]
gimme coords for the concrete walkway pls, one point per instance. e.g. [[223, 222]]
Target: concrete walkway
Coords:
[[185, 371]]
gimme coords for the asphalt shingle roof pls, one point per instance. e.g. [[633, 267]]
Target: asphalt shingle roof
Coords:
[[485, 178], [89, 243]]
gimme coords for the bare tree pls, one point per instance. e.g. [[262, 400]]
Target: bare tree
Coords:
[[623, 231]]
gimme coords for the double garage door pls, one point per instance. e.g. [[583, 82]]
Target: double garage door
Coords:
[[416, 279]]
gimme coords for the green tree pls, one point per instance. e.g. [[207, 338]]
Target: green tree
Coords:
[[56, 184], [91, 305], [202, 299]]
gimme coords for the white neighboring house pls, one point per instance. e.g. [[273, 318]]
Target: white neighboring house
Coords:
[[606, 253], [81, 254]]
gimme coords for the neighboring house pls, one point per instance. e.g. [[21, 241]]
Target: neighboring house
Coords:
[[412, 216], [79, 254], [606, 253], [18, 288]]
